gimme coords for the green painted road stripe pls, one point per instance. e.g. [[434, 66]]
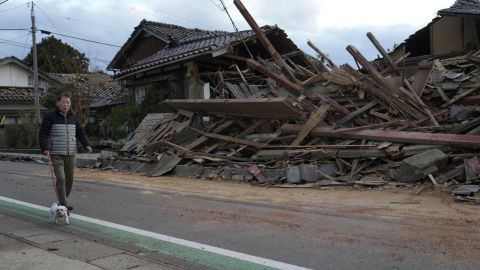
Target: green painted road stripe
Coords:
[[198, 253]]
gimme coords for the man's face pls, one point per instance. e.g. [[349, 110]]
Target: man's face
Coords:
[[64, 104]]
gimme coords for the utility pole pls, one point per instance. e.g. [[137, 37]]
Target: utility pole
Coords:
[[35, 70]]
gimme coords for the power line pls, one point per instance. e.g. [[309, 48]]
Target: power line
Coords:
[[3, 2], [83, 39], [86, 22], [94, 59], [49, 32], [24, 53], [236, 29], [14, 39], [48, 18], [10, 41], [100, 60], [14, 29], [13, 7], [217, 5], [195, 23], [13, 43]]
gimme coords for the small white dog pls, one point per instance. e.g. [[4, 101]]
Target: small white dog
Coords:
[[58, 212]]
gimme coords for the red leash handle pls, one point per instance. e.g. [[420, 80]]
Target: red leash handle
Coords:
[[50, 163]]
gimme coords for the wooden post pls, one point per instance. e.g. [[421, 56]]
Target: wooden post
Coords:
[[382, 51], [264, 40], [330, 62], [370, 69]]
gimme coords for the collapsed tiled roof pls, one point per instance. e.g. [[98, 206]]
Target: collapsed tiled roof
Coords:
[[182, 43], [193, 46], [19, 94], [102, 86], [176, 33], [462, 7]]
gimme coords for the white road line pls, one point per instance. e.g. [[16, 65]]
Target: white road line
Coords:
[[162, 237]]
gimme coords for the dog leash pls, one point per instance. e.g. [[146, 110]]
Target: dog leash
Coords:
[[50, 163]]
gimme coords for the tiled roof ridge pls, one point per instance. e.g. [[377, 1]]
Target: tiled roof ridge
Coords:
[[221, 33], [147, 22], [471, 7], [460, 1], [176, 39]]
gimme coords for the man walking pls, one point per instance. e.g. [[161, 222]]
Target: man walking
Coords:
[[58, 139]]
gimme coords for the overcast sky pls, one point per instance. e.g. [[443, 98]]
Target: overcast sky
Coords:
[[330, 24]]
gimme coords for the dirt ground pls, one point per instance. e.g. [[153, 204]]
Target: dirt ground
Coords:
[[422, 202]]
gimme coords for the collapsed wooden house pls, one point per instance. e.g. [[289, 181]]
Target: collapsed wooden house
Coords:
[[278, 119]]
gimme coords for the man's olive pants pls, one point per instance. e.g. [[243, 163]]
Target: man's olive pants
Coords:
[[63, 166]]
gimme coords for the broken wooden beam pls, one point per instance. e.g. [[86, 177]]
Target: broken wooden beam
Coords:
[[313, 120], [279, 108], [294, 88], [469, 101], [262, 37], [457, 140], [339, 108], [190, 154], [246, 131], [387, 94], [384, 53], [467, 126], [324, 56], [373, 126], [377, 77], [420, 121], [458, 171], [228, 138], [425, 108], [203, 139], [355, 114], [460, 96]]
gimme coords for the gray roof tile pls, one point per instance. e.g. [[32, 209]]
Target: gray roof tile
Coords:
[[103, 86], [462, 7], [19, 94]]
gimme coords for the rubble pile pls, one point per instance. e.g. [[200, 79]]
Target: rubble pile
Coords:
[[277, 123]]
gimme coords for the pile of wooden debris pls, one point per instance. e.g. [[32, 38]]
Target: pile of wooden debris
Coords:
[[277, 122]]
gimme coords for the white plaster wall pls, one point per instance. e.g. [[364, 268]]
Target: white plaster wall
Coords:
[[13, 75], [16, 76]]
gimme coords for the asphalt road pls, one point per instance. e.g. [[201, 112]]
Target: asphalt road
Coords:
[[303, 237]]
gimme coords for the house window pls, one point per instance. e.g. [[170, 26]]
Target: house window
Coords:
[[43, 85], [139, 94]]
